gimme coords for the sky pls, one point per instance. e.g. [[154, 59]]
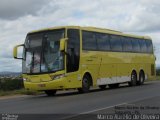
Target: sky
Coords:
[[141, 17]]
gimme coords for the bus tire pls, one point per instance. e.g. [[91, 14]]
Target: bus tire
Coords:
[[114, 85], [102, 87], [141, 78], [86, 83], [50, 92], [133, 81]]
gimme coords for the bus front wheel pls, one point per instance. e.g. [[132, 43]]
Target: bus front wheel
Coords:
[[50, 92], [86, 83]]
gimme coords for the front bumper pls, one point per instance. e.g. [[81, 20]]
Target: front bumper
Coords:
[[50, 85]]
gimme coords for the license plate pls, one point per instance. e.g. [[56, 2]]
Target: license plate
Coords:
[[41, 85]]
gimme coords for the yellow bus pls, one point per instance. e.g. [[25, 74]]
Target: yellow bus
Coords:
[[74, 57]]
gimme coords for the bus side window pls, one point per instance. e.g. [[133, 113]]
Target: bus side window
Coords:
[[149, 46], [103, 42], [89, 41], [143, 45], [116, 43], [135, 45]]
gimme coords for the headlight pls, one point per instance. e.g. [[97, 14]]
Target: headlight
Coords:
[[54, 77], [24, 79]]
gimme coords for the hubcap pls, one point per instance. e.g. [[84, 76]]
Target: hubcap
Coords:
[[133, 79], [85, 82], [141, 79]]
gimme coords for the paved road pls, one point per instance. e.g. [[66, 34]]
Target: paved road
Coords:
[[144, 99]]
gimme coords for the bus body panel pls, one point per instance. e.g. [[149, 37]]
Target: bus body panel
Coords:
[[105, 67]]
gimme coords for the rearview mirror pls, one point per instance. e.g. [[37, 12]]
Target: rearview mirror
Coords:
[[15, 51], [63, 44]]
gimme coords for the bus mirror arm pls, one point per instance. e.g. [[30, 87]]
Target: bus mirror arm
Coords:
[[15, 51], [65, 53], [63, 44]]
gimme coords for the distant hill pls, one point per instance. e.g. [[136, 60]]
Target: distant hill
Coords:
[[6, 73], [10, 73]]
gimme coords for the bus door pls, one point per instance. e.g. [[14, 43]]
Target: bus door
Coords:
[[73, 57]]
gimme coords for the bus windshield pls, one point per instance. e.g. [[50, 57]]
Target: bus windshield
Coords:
[[41, 53]]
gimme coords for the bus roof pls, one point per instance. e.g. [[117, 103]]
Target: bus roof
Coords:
[[94, 29]]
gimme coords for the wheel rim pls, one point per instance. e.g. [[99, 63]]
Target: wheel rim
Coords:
[[85, 82], [133, 77], [141, 79]]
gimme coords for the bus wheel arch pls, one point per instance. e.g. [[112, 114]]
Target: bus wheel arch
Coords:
[[133, 81], [141, 77], [87, 81], [91, 80]]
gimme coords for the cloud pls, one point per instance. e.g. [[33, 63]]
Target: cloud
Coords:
[[16, 19], [14, 9], [144, 17], [10, 64], [135, 16]]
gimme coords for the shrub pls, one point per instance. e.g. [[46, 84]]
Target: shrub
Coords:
[[11, 84], [158, 72]]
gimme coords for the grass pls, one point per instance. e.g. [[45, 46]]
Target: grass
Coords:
[[19, 92], [157, 78]]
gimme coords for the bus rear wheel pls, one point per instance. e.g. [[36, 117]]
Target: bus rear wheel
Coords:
[[114, 85], [102, 87], [50, 92], [133, 81], [141, 78], [86, 83]]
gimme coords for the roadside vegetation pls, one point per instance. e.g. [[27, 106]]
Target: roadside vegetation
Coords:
[[18, 92], [14, 86], [158, 74], [9, 84]]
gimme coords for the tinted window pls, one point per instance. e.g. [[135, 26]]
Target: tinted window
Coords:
[[73, 50], [143, 46], [127, 44], [149, 46], [135, 45], [103, 42], [116, 43], [89, 41]]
